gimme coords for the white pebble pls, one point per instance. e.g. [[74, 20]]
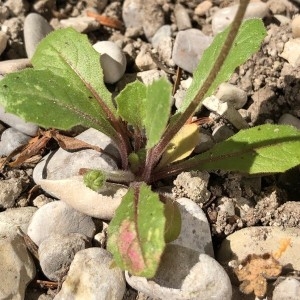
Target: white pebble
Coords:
[[287, 289], [291, 52], [3, 41], [112, 59]]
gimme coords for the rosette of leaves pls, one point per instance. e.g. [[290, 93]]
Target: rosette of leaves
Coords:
[[66, 81]]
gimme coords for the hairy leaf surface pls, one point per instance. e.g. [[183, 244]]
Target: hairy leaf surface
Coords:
[[136, 233]]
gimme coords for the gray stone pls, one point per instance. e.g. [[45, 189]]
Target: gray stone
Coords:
[[206, 143], [230, 93], [162, 33], [112, 59], [132, 14], [182, 17], [36, 28], [57, 252], [3, 41], [17, 7], [223, 17], [195, 229], [63, 164], [188, 48], [16, 269], [17, 123], [10, 190], [58, 218], [14, 65], [185, 274], [11, 139], [11, 219], [288, 119], [222, 133], [288, 289], [92, 277]]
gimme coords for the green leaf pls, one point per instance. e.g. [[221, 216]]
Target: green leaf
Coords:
[[136, 233], [247, 42], [157, 108], [131, 103], [262, 149], [64, 89]]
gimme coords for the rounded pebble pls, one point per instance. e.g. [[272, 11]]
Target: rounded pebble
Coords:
[[17, 123], [291, 52], [259, 240], [132, 13], [193, 276], [202, 8], [91, 276], [223, 17], [296, 26], [36, 28], [289, 119], [14, 65], [232, 94], [11, 139], [3, 41], [182, 17], [58, 217], [288, 289], [57, 252], [112, 59]]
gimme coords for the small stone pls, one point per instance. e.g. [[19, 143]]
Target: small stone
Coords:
[[147, 77], [10, 190], [14, 65], [223, 17], [17, 7], [163, 32], [144, 60], [41, 200], [288, 289], [221, 133], [182, 18], [58, 218], [16, 269], [206, 143], [57, 252], [153, 17], [296, 26], [193, 276], [17, 123], [64, 164], [192, 185], [230, 93], [259, 240], [82, 24], [11, 139], [188, 48], [226, 205], [3, 41], [291, 52], [288, 119], [36, 28], [112, 59], [203, 8], [91, 275], [132, 14], [195, 229]]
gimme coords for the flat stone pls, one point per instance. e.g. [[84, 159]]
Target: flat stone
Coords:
[[185, 274], [260, 240], [188, 48], [14, 65], [82, 24], [36, 28], [58, 218], [92, 277], [16, 269], [57, 252]]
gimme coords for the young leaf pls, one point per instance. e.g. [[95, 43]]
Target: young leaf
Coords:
[[262, 149], [67, 84], [157, 107], [182, 145], [247, 42], [136, 233], [131, 103]]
